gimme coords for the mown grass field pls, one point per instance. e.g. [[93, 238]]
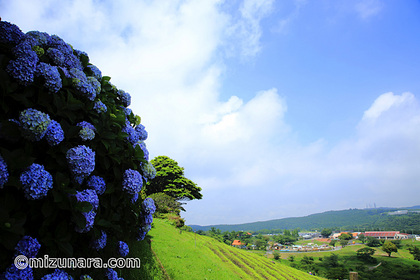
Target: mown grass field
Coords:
[[185, 255], [400, 265]]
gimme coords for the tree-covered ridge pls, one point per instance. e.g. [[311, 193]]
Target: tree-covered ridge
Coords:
[[352, 219], [73, 160]]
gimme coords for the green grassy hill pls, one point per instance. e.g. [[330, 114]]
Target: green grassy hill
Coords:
[[185, 255]]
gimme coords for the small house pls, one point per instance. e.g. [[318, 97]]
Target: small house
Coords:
[[238, 243]]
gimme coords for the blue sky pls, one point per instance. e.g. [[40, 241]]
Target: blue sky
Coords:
[[275, 108]]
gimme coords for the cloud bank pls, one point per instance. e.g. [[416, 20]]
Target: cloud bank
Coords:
[[171, 57]]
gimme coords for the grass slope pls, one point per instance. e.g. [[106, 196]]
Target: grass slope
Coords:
[[150, 268], [185, 255]]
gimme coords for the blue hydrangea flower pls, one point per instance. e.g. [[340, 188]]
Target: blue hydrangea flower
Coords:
[[112, 275], [127, 111], [123, 248], [141, 235], [100, 107], [13, 273], [85, 277], [90, 220], [36, 182], [42, 38], [57, 42], [86, 124], [142, 145], [10, 33], [90, 196], [141, 132], [99, 243], [96, 85], [56, 56], [51, 75], [124, 97], [28, 247], [79, 53], [135, 198], [95, 72], [149, 171], [55, 133], [87, 132], [132, 181], [143, 230], [23, 68], [97, 183], [148, 219], [133, 136], [81, 161], [25, 47], [4, 174], [149, 205], [66, 72], [78, 74], [145, 151], [85, 88], [81, 82], [34, 124], [70, 60], [58, 274]]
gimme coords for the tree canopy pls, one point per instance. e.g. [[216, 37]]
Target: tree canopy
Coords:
[[415, 251], [389, 248], [326, 232], [170, 180]]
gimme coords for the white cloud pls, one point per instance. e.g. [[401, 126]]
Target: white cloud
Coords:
[[368, 8], [246, 28], [283, 24], [378, 164], [384, 103]]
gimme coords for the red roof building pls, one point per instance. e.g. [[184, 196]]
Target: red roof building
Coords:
[[237, 243], [382, 234]]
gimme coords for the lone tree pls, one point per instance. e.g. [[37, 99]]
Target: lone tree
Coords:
[[389, 247], [326, 232], [170, 180], [365, 253]]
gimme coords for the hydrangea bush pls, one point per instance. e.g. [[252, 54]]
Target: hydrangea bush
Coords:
[[73, 159]]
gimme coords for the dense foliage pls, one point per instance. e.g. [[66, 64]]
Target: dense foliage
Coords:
[[170, 179], [415, 251], [166, 204], [72, 157]]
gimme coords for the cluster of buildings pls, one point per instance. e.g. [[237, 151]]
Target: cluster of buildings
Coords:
[[393, 235], [375, 234]]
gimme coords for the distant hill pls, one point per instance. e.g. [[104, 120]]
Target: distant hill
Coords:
[[362, 219]]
